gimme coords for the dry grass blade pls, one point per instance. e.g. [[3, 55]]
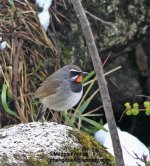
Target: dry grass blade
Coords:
[[19, 22]]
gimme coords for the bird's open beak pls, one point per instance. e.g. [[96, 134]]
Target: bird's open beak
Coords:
[[85, 74]]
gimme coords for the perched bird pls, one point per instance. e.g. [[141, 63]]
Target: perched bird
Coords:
[[62, 90], [133, 149]]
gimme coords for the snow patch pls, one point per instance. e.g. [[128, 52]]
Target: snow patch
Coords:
[[44, 16], [3, 45], [45, 4], [129, 143]]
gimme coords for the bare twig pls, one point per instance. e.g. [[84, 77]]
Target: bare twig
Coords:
[[97, 18], [15, 78], [141, 60], [143, 158], [106, 60], [101, 80], [57, 45], [15, 68], [107, 73]]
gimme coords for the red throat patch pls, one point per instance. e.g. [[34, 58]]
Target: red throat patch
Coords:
[[79, 79]]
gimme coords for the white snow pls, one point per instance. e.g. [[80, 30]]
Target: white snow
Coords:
[[3, 45], [44, 16], [129, 143], [45, 4]]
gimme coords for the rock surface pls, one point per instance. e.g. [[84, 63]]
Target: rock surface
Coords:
[[49, 144]]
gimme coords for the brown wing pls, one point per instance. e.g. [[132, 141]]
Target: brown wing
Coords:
[[48, 87]]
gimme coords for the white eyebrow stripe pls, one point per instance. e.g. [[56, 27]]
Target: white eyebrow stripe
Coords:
[[75, 70]]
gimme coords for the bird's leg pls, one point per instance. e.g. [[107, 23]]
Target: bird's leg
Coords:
[[41, 112]]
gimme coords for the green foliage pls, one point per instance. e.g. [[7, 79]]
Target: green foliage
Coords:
[[134, 109], [128, 108], [4, 95], [147, 107], [30, 70], [94, 123], [84, 105], [11, 3], [65, 51], [148, 163], [88, 76]]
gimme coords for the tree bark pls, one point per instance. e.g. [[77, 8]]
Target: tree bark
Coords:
[[101, 81]]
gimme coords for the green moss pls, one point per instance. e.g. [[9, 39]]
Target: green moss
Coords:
[[87, 153], [4, 161], [66, 52], [43, 161], [94, 150]]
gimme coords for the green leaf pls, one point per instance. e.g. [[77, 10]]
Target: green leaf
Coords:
[[148, 163], [84, 106], [127, 105], [90, 129], [92, 122], [88, 76], [135, 111], [146, 104], [147, 111], [135, 105], [4, 102], [128, 112], [11, 3], [18, 13], [67, 119]]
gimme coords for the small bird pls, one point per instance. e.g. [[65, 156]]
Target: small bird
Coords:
[[62, 90]]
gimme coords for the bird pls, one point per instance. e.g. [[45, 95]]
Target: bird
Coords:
[[133, 149], [62, 90]]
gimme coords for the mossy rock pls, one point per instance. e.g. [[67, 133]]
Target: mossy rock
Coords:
[[34, 144]]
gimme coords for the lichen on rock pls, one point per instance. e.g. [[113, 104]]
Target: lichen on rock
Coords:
[[49, 144]]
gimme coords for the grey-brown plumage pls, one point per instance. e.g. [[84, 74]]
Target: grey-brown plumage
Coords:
[[61, 90]]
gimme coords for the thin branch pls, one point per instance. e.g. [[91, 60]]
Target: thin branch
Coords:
[[15, 76], [97, 63], [99, 19], [107, 73], [15, 68]]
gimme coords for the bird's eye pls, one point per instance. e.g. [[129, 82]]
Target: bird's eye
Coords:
[[74, 72], [75, 75]]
